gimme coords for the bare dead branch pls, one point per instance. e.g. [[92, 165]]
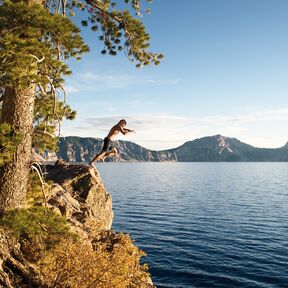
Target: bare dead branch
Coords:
[[36, 167], [37, 59], [43, 132], [41, 88], [63, 7]]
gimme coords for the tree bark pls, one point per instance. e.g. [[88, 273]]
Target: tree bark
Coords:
[[17, 110]]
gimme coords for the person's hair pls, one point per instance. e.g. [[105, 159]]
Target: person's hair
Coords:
[[122, 121]]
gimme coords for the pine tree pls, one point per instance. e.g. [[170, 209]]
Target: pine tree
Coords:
[[36, 38]]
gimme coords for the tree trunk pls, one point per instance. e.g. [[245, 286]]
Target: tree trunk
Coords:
[[17, 110]]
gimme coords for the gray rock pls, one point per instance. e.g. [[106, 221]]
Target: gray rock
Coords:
[[80, 195]]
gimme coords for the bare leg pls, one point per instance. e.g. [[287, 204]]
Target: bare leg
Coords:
[[109, 154], [96, 158]]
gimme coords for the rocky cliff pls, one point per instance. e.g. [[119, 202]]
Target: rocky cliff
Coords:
[[78, 149], [97, 257], [79, 194], [210, 149]]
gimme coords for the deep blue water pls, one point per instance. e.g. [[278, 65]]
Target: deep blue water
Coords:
[[205, 224]]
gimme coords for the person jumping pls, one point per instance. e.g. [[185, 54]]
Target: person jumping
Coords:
[[108, 149]]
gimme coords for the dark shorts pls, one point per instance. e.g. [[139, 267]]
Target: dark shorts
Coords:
[[108, 145]]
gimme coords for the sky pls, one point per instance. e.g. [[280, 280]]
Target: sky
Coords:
[[225, 72]]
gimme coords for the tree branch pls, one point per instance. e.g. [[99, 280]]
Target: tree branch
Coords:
[[36, 167], [44, 132], [121, 21], [30, 273], [4, 279], [41, 88], [38, 60], [53, 90]]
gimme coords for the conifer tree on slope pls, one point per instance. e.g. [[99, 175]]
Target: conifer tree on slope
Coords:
[[36, 38]]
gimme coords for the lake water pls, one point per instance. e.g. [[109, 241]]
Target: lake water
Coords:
[[205, 224]]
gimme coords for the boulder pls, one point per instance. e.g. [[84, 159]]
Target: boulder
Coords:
[[80, 195]]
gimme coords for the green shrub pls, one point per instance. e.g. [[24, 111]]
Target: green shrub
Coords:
[[36, 222]]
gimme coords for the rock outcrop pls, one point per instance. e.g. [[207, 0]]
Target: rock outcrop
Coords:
[[78, 194]]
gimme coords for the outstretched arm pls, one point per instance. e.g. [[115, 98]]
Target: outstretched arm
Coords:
[[125, 131], [128, 130]]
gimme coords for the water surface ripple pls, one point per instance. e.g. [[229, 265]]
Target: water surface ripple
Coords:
[[205, 224]]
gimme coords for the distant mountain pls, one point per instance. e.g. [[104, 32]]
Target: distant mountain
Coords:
[[78, 149], [220, 148], [207, 149]]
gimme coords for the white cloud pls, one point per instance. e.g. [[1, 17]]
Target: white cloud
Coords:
[[106, 80], [71, 89], [276, 114], [94, 81], [163, 82]]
